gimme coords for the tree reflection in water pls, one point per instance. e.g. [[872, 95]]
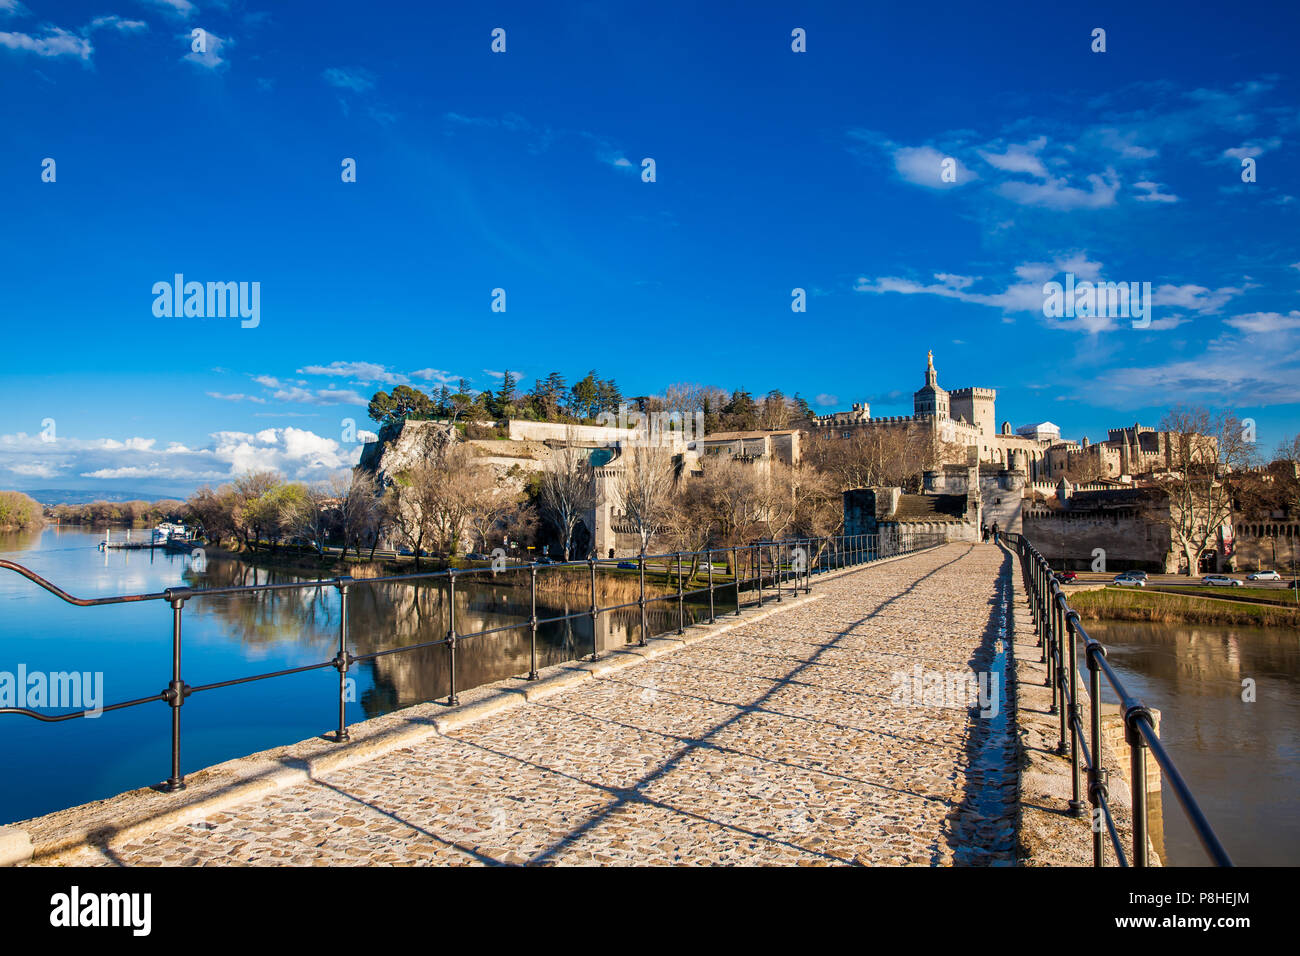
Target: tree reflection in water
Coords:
[[383, 616]]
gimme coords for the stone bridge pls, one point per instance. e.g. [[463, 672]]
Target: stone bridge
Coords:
[[777, 737]]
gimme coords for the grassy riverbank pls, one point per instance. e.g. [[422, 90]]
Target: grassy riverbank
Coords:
[[1114, 604], [613, 586], [18, 512]]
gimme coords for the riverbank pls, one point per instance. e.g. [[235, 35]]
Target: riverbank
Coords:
[[614, 585], [1164, 607], [18, 512]]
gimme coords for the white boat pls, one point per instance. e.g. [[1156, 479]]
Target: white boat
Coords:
[[170, 531]]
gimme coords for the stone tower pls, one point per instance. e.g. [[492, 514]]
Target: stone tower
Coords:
[[930, 401], [976, 406]]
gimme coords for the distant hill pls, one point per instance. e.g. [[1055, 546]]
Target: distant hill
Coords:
[[54, 496]]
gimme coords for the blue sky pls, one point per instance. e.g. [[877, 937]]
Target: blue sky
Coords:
[[522, 170]]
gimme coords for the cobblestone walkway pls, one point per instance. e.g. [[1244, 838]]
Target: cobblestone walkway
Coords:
[[775, 743]]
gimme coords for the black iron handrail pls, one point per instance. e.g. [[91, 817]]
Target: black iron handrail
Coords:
[[781, 567], [1059, 632]]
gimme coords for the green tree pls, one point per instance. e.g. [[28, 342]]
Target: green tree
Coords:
[[404, 402], [741, 413], [584, 397]]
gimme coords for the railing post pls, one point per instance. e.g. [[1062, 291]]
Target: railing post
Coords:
[[776, 570], [1076, 803], [1058, 652], [595, 644], [709, 561], [343, 660], [452, 699], [176, 689], [1137, 746], [681, 607], [735, 573], [641, 599], [532, 622], [1097, 787], [757, 558]]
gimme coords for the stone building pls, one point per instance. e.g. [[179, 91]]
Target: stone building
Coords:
[[1112, 527], [956, 502], [963, 419]]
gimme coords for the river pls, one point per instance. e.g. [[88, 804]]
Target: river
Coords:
[[48, 766], [1241, 759]]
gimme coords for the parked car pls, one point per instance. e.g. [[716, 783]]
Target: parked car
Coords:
[[1220, 581], [1264, 576], [1128, 581], [627, 565], [475, 556], [1066, 577]]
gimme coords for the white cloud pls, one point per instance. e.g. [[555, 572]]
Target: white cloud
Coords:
[[55, 42], [1252, 149], [1195, 297], [1059, 194], [349, 78], [320, 396], [237, 397], [1025, 293], [825, 400], [1152, 192], [296, 453], [361, 371], [924, 166], [1019, 158], [1265, 322], [177, 8], [435, 375], [1123, 143], [210, 58], [115, 23]]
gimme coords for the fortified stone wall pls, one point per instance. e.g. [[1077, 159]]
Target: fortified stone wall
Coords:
[[1068, 541], [1002, 500], [1256, 543]]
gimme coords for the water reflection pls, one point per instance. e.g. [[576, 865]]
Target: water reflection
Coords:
[[1239, 757], [385, 615]]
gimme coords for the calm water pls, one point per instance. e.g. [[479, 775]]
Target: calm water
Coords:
[[51, 766], [1242, 760]]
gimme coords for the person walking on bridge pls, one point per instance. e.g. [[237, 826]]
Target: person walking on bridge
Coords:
[[984, 530], [995, 532]]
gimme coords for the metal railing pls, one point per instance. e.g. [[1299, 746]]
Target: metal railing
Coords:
[[766, 570], [1060, 632]]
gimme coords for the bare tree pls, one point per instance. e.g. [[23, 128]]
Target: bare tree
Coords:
[[315, 515], [411, 503], [644, 488], [357, 505], [1204, 449], [566, 492], [489, 509], [1288, 449], [874, 456]]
